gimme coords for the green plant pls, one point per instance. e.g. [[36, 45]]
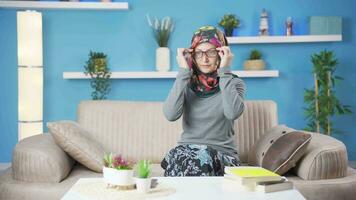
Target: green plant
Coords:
[[116, 162], [143, 168], [161, 29], [321, 100], [255, 55], [96, 67], [229, 22]]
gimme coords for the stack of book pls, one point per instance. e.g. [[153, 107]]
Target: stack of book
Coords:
[[252, 178]]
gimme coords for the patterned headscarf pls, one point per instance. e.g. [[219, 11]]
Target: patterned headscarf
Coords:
[[205, 84]]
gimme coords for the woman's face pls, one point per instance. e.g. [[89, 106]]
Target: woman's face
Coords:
[[206, 57]]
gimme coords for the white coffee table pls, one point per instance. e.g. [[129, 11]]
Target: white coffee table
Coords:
[[196, 188]]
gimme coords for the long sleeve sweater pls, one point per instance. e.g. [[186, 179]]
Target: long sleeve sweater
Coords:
[[207, 120]]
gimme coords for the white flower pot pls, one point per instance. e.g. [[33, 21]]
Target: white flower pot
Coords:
[[118, 177], [162, 59], [143, 185]]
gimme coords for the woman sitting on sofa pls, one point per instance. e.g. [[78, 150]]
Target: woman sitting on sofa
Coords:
[[210, 98]]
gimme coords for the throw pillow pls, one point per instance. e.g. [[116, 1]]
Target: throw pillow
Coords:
[[74, 140], [279, 149]]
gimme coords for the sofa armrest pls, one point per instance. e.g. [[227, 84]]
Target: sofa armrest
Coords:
[[325, 158], [40, 159]]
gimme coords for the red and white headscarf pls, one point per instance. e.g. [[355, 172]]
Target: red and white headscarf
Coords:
[[205, 84]]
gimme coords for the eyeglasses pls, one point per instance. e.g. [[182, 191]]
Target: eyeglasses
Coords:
[[211, 53]]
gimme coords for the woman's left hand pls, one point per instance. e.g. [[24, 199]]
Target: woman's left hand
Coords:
[[225, 55]]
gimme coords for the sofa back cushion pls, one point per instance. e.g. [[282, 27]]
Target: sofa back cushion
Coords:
[[139, 130], [258, 116], [136, 130]]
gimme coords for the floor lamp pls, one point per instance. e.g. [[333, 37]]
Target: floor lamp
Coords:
[[30, 73]]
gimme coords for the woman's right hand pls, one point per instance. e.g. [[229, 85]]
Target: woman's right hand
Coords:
[[182, 62]]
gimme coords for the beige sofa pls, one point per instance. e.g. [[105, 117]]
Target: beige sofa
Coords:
[[139, 130]]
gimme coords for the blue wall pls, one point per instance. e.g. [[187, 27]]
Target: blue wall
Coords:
[[126, 38]]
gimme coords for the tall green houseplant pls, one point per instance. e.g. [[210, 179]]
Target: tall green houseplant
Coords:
[[97, 68], [321, 100]]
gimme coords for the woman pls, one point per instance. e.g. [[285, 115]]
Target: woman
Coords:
[[210, 98]]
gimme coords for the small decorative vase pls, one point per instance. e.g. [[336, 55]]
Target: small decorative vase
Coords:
[[162, 59], [118, 177], [143, 185], [254, 64], [228, 32]]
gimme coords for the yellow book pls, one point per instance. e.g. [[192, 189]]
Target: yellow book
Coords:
[[249, 171], [250, 174]]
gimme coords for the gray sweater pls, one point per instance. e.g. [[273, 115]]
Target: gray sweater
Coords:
[[207, 120]]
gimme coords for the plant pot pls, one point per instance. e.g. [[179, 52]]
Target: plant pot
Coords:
[[162, 59], [118, 177], [99, 64], [143, 185], [228, 32], [254, 65]]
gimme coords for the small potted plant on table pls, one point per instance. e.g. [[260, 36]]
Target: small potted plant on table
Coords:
[[117, 171], [143, 181]]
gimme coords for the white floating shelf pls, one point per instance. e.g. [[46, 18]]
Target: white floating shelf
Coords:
[[284, 39], [170, 74], [65, 5]]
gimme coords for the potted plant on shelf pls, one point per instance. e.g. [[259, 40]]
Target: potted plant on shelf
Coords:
[[117, 171], [321, 100], [229, 22], [143, 181], [254, 62], [97, 68], [162, 31]]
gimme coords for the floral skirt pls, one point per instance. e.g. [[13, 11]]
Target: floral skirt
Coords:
[[197, 160]]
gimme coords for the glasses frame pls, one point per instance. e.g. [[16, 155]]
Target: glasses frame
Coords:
[[206, 54]]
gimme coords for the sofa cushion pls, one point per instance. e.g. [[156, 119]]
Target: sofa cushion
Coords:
[[39, 159], [77, 143], [258, 116], [156, 170], [140, 124], [103, 119], [327, 189], [11, 189], [325, 158], [279, 149]]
